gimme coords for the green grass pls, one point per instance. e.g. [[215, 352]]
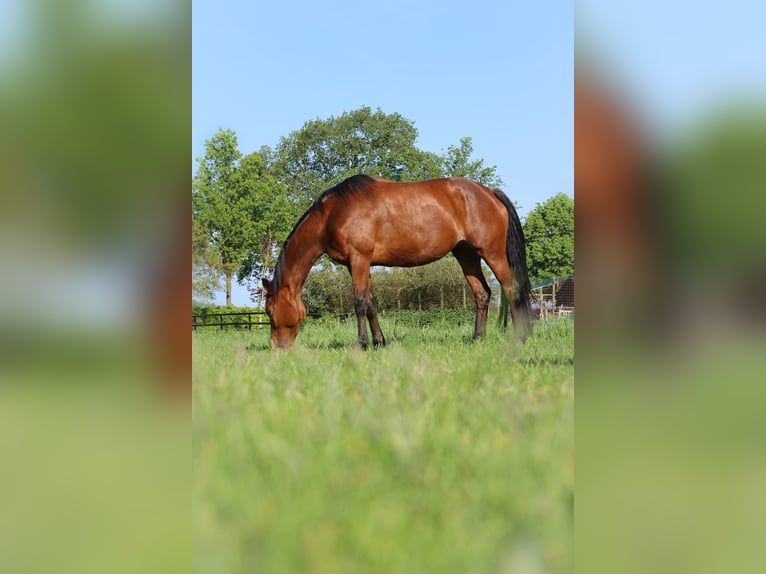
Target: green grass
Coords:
[[435, 454]]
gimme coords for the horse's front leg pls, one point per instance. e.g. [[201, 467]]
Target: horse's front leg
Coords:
[[360, 273], [372, 316], [360, 305]]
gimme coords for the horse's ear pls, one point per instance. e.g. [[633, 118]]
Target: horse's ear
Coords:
[[268, 286]]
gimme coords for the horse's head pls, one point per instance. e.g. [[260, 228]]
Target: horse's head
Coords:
[[286, 313]]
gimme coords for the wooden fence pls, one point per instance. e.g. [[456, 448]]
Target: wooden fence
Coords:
[[241, 319]]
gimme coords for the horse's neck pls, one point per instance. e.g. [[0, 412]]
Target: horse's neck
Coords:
[[303, 249]]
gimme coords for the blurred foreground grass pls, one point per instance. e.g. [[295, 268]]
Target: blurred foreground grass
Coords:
[[94, 479], [435, 454], [94, 176], [670, 142], [670, 449]]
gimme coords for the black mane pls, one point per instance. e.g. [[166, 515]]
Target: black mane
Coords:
[[344, 190]]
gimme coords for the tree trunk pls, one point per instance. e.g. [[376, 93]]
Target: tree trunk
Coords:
[[228, 288]]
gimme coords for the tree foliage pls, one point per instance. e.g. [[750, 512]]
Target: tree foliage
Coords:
[[549, 234], [457, 162], [206, 266], [218, 204], [325, 152], [242, 206], [271, 213], [715, 179]]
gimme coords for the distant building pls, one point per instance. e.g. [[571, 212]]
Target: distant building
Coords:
[[553, 294]]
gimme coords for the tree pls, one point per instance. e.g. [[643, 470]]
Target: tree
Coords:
[[325, 152], [549, 233], [206, 267], [457, 163], [219, 205], [270, 212]]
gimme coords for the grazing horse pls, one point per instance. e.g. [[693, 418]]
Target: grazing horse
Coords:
[[366, 221]]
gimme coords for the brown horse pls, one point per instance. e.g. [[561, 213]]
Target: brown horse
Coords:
[[366, 221]]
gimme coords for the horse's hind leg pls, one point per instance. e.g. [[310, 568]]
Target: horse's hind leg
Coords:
[[470, 263], [498, 262], [372, 316]]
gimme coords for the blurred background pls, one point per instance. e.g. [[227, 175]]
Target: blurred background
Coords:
[[670, 197], [670, 191], [94, 180]]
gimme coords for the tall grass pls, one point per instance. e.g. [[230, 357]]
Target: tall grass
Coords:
[[435, 454]]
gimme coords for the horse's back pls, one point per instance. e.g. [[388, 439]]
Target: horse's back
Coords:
[[411, 223], [458, 198]]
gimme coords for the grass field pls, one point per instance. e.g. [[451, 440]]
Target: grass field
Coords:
[[435, 454]]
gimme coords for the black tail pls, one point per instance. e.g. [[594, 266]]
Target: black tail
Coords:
[[516, 252]]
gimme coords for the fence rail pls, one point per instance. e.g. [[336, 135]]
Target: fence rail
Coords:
[[208, 319], [205, 320]]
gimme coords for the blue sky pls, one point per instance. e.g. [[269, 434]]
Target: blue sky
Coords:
[[499, 72], [676, 61]]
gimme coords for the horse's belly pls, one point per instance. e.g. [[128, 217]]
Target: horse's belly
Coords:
[[395, 260], [409, 249], [413, 237]]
